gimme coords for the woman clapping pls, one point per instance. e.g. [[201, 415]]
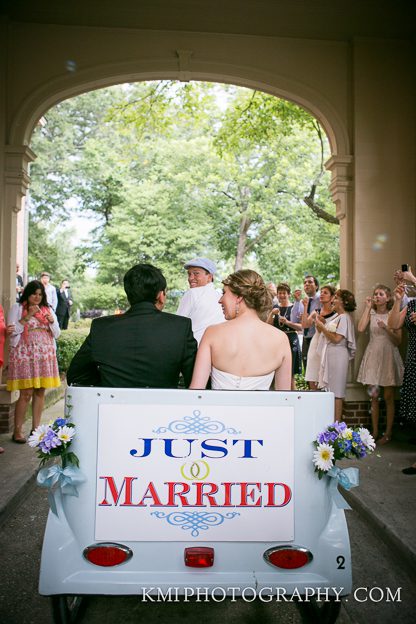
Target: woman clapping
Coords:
[[381, 365], [338, 348]]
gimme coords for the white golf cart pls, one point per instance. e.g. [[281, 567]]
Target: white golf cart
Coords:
[[197, 491]]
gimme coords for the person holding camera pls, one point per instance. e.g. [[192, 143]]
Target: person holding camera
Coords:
[[407, 317]]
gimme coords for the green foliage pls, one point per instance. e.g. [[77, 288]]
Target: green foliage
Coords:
[[102, 296], [173, 170], [68, 344], [50, 249]]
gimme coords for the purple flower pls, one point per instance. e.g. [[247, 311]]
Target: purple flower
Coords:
[[339, 426], [326, 437], [49, 442]]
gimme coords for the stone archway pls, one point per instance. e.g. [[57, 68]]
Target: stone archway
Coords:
[[18, 154], [50, 94]]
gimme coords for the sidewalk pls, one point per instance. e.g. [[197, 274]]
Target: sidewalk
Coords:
[[385, 498], [19, 465]]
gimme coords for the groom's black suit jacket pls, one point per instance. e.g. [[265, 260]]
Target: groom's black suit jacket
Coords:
[[143, 348]]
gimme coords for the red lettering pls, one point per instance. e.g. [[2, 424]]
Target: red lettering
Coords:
[[153, 495], [172, 493], [287, 494], [245, 494], [227, 494], [127, 483], [200, 494]]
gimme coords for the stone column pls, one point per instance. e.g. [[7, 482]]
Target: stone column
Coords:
[[342, 194], [356, 405], [16, 183]]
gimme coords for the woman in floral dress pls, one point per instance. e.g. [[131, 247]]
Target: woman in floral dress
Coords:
[[33, 366]]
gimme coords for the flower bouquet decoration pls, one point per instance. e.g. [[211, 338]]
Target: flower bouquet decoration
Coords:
[[338, 441], [53, 441]]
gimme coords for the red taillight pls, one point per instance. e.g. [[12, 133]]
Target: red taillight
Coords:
[[106, 555], [199, 557], [288, 557]]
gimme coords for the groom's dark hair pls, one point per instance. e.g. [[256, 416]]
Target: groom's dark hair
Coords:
[[143, 282]]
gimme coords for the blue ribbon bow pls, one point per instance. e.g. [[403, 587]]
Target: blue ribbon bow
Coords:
[[66, 479], [347, 478]]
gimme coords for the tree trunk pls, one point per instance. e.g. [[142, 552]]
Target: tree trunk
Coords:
[[245, 223]]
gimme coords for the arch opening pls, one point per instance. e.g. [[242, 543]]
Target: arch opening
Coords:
[[255, 227]]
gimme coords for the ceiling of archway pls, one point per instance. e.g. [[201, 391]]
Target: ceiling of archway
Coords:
[[317, 19]]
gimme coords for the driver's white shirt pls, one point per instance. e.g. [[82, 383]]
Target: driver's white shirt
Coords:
[[201, 305]]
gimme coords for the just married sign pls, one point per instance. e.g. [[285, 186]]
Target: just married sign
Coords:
[[175, 473]]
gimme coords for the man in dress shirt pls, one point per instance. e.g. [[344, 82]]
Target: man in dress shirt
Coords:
[[19, 283], [200, 302], [143, 348], [63, 308], [50, 290], [310, 304]]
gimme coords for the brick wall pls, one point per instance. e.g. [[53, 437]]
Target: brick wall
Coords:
[[6, 418], [358, 413]]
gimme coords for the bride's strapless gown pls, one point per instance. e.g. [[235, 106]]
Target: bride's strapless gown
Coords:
[[226, 381]]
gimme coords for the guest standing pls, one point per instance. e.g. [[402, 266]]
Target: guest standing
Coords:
[[407, 317], [381, 365], [284, 317], [63, 309], [338, 348], [325, 315], [50, 290], [32, 360], [19, 283], [310, 304]]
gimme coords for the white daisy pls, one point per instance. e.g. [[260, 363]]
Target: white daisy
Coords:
[[367, 438], [38, 435], [66, 433], [323, 456], [347, 433]]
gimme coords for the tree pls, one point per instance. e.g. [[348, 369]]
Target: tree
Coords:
[[170, 170]]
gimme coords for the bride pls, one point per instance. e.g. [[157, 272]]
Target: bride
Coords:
[[244, 353]]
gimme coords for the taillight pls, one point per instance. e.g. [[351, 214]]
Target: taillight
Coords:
[[199, 557], [288, 557], [107, 554]]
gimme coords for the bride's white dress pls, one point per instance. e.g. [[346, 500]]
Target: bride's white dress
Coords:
[[226, 381]]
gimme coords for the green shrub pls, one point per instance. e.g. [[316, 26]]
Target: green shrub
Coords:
[[68, 344], [301, 383]]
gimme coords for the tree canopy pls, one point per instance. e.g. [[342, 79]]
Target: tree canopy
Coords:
[[169, 170]]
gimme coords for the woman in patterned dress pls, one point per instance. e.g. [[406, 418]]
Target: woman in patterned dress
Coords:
[[32, 360], [3, 333], [397, 319], [382, 364]]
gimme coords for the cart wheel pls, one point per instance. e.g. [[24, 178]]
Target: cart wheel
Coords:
[[67, 609], [314, 612]]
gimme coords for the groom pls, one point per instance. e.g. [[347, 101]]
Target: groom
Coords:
[[143, 348]]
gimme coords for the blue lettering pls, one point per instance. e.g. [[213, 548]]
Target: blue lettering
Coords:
[[210, 447], [168, 447], [147, 447], [247, 448]]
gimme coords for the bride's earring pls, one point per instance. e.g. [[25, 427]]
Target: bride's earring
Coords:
[[237, 308]]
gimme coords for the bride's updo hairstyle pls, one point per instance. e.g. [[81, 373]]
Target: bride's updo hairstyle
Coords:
[[250, 286]]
